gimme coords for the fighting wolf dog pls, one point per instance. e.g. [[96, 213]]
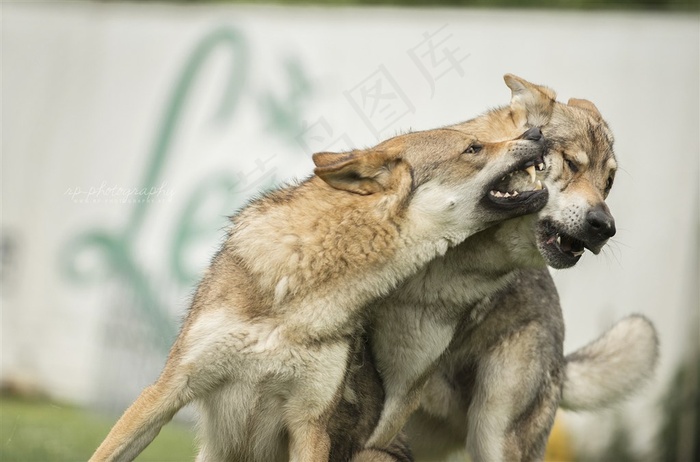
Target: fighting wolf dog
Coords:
[[266, 344], [475, 337]]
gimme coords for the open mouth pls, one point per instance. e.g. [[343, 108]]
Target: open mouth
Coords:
[[520, 185], [559, 246]]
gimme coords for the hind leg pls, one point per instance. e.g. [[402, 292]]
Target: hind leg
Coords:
[[516, 394]]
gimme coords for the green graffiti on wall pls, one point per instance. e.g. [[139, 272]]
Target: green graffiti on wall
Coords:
[[283, 113], [116, 249]]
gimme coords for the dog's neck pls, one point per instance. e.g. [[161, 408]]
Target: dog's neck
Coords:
[[500, 249]]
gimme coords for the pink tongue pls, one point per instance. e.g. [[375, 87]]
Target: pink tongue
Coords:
[[552, 239]]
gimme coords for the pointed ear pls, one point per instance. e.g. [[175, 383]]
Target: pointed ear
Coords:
[[587, 105], [360, 172], [532, 105]]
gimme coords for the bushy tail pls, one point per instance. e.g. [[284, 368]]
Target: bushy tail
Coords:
[[612, 366]]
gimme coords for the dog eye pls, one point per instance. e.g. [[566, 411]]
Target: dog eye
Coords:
[[572, 166], [473, 149], [608, 184]]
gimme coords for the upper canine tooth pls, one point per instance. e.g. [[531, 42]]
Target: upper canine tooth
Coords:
[[531, 171], [538, 185]]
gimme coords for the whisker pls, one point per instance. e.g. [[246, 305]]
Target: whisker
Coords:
[[612, 249]]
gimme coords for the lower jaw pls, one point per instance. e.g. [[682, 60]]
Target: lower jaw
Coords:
[[556, 258]]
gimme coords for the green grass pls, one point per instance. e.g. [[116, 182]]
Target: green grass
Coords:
[[34, 431]]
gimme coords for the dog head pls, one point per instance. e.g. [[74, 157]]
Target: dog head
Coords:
[[446, 180], [580, 169]]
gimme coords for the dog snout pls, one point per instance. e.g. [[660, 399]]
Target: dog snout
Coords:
[[533, 134], [601, 222]]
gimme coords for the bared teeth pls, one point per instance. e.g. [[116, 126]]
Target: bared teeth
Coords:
[[495, 193], [577, 253], [531, 171], [535, 184]]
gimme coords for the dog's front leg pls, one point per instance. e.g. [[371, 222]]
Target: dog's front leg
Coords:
[[184, 378], [375, 455], [397, 451], [142, 421], [309, 442], [313, 399], [404, 366], [515, 397]]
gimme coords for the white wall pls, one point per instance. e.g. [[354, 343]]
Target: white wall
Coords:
[[88, 88]]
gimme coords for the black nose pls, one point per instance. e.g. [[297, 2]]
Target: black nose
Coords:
[[533, 134], [600, 221]]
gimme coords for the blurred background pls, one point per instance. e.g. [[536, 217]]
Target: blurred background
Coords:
[[130, 131]]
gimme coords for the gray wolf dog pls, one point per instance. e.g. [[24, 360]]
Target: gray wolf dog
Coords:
[[474, 339], [270, 335]]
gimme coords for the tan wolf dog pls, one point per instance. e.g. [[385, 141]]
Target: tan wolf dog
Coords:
[[475, 337], [265, 346]]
